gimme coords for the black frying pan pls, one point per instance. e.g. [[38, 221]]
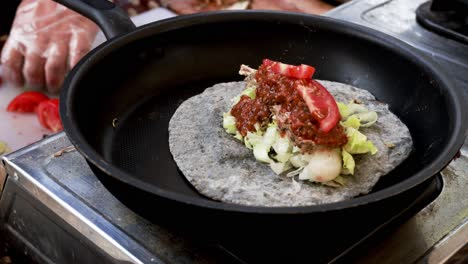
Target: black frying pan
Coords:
[[140, 76]]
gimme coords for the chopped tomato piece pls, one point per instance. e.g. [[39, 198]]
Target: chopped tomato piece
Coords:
[[26, 102], [296, 71], [48, 115], [321, 105]]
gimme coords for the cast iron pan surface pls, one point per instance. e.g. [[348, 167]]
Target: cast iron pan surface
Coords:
[[137, 81]]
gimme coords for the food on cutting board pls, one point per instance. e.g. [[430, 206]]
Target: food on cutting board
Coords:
[[46, 109], [26, 102], [281, 138], [133, 7], [196, 6], [49, 116]]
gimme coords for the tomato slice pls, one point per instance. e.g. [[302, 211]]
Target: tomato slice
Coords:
[[48, 115], [302, 71], [26, 102], [321, 105]]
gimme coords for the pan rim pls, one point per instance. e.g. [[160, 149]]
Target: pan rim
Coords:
[[456, 137]]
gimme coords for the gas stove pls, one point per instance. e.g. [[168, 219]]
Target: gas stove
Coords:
[[445, 17], [55, 208]]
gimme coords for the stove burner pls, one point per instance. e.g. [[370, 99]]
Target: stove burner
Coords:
[[445, 17]]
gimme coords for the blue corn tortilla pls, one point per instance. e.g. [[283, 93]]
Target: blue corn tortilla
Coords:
[[222, 168]]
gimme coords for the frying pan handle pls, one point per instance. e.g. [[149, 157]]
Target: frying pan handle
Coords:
[[111, 19]]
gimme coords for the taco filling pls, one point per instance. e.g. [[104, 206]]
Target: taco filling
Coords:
[[293, 123], [281, 138]]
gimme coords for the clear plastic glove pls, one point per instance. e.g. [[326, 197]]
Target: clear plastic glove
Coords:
[[310, 6], [45, 41]]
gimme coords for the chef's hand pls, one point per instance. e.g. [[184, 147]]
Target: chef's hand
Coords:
[[45, 41], [195, 6], [310, 6]]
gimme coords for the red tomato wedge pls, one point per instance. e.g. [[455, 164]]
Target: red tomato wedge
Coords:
[[296, 71], [26, 102], [48, 115], [321, 105]]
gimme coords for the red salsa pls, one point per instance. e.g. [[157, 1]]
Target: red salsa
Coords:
[[279, 90]]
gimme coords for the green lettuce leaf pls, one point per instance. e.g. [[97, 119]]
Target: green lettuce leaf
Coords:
[[249, 91], [229, 123], [366, 119], [280, 167], [347, 110], [283, 148], [348, 162], [358, 143], [352, 121]]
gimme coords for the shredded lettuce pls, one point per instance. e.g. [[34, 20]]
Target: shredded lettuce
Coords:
[[252, 139], [347, 110], [352, 121], [260, 152], [282, 147], [337, 182], [348, 163], [343, 108], [352, 111], [300, 160], [280, 167], [229, 123], [271, 135], [366, 119], [261, 145], [294, 172], [340, 180], [355, 116], [358, 143], [258, 129], [306, 173], [296, 150], [239, 136], [249, 91]]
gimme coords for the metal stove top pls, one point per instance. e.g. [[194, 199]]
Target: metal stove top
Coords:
[[398, 18], [59, 211]]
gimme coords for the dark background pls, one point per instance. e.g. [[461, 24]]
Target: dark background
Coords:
[[7, 13]]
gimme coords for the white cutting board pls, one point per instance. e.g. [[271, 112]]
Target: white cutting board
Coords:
[[19, 130]]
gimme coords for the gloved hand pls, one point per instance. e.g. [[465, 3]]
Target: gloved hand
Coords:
[[195, 6], [309, 6], [45, 41]]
